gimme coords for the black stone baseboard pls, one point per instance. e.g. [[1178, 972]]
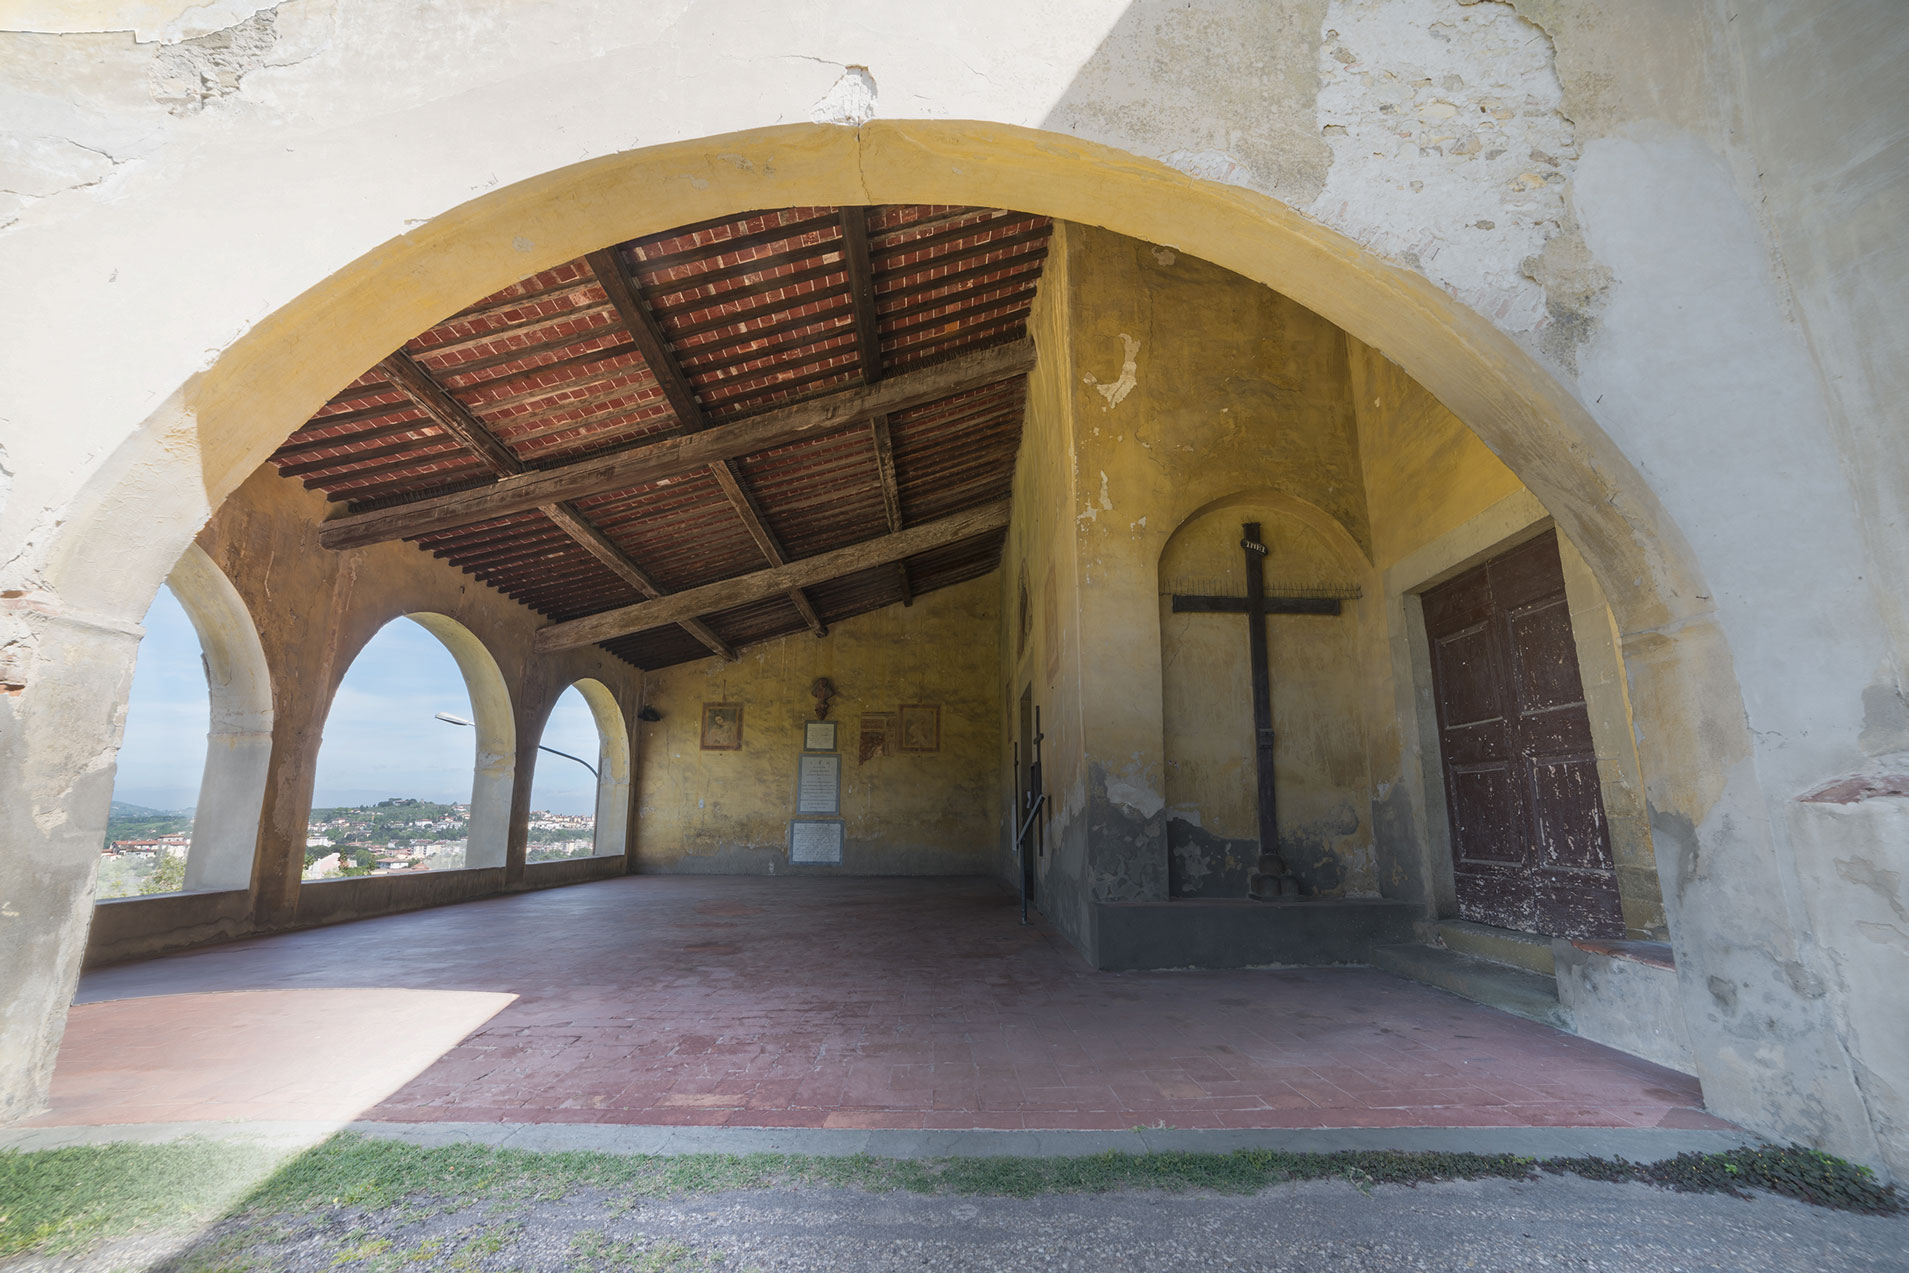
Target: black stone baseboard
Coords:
[[1227, 933]]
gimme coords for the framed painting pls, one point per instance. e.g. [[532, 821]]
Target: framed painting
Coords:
[[722, 727], [920, 726]]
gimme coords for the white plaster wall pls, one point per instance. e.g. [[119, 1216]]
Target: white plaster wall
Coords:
[[166, 183]]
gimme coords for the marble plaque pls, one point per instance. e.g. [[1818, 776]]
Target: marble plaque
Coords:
[[818, 784], [818, 735], [817, 841]]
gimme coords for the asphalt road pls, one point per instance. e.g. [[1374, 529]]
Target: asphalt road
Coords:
[[1315, 1227]]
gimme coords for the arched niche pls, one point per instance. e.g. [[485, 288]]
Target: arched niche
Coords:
[[239, 741], [1319, 672]]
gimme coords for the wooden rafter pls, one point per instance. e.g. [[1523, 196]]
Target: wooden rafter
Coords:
[[891, 497], [625, 293], [448, 414], [598, 397], [730, 479], [744, 589], [452, 416], [861, 286], [598, 545], [683, 454], [648, 334]]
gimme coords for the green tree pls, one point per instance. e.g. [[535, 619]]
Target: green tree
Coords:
[[169, 876]]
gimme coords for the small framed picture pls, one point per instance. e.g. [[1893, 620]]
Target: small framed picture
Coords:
[[818, 735], [722, 726], [920, 727]]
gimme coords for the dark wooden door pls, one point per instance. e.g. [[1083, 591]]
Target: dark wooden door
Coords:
[[1530, 849]]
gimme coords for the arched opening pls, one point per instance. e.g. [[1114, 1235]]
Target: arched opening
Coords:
[[155, 786], [219, 428], [414, 772], [580, 793], [198, 739]]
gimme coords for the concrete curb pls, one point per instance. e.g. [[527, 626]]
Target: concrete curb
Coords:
[[1640, 1144]]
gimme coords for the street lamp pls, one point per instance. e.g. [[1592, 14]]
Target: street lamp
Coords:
[[449, 719]]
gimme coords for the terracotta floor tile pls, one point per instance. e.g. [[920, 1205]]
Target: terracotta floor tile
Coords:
[[853, 1002]]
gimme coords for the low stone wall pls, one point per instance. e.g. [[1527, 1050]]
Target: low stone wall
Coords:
[[128, 928], [137, 927]]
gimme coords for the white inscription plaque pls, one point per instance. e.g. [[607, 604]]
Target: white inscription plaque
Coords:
[[818, 785], [818, 841]]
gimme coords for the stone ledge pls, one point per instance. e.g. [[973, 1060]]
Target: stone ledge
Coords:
[[1499, 945], [1518, 991], [1241, 933]]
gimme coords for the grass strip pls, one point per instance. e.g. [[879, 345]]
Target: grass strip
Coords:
[[69, 1199]]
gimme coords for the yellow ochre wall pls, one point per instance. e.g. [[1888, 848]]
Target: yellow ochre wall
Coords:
[[1166, 385], [930, 813], [1047, 662]]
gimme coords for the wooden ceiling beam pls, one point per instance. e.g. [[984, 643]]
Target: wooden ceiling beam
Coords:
[[449, 414], [668, 371], [648, 334], [730, 479], [891, 497], [861, 286], [729, 593], [681, 454], [598, 545], [467, 429]]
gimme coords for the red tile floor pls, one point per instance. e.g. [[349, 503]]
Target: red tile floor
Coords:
[[803, 1002]]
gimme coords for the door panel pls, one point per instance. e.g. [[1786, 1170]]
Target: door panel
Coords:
[[1469, 692], [1570, 814], [1485, 805], [1530, 848], [1544, 658]]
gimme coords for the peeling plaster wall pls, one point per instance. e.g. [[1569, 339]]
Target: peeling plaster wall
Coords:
[[1450, 148], [1166, 385], [935, 813], [1189, 384]]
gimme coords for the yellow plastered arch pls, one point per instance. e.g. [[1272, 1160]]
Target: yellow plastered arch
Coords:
[[154, 492]]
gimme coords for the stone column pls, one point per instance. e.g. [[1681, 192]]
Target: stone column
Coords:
[[62, 711]]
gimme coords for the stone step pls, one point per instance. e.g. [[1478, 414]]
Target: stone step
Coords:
[[1518, 991], [1500, 945]]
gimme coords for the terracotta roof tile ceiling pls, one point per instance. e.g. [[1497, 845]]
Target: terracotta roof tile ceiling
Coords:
[[698, 328]]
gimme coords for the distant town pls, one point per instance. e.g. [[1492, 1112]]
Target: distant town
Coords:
[[145, 851]]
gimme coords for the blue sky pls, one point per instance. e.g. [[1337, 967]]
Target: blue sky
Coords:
[[382, 738]]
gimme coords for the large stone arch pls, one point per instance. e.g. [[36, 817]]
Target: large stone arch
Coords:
[[1774, 1065]]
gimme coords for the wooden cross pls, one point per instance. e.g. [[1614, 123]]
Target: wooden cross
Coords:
[[1273, 878]]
